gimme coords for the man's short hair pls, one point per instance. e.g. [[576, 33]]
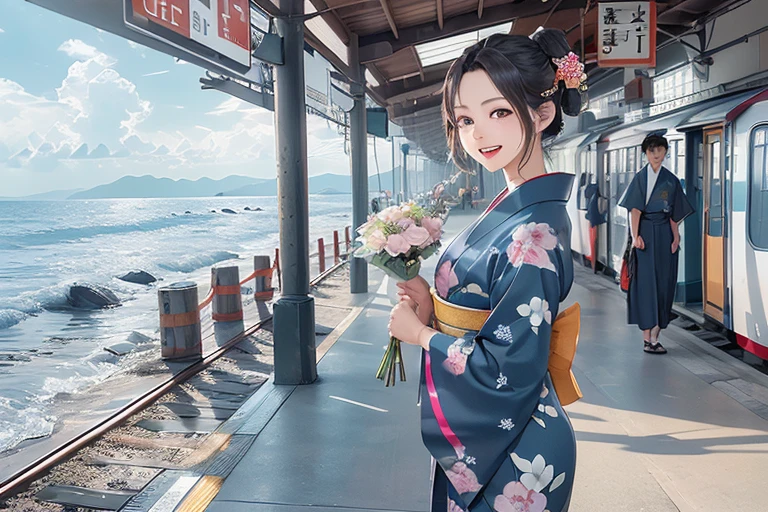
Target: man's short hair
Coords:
[[654, 141]]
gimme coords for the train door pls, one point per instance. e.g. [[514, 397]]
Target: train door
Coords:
[[606, 190], [692, 240], [714, 224]]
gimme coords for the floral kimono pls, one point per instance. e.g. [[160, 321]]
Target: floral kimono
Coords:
[[652, 288], [490, 415]]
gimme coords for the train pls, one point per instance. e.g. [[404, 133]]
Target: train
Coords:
[[718, 149]]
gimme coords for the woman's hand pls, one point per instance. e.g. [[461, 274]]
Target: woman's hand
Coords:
[[675, 244], [638, 243], [417, 291], [406, 326]]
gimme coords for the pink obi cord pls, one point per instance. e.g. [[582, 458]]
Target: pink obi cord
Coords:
[[441, 420]]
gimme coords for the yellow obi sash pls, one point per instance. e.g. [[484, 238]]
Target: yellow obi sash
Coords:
[[456, 320]]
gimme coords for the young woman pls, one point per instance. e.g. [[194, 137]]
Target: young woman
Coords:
[[497, 367], [657, 205]]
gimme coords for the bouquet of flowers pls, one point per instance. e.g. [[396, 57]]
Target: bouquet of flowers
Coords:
[[396, 240]]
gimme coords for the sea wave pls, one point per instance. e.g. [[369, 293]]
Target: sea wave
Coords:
[[20, 422], [69, 234], [11, 317], [193, 262]]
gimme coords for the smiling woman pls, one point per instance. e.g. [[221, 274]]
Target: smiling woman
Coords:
[[497, 373]]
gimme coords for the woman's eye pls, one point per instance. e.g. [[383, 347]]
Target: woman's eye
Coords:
[[500, 113], [463, 121]]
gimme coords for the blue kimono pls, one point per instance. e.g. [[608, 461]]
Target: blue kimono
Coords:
[[490, 415], [652, 288]]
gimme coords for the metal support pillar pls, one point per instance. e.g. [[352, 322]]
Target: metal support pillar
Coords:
[[405, 148], [358, 158], [294, 312]]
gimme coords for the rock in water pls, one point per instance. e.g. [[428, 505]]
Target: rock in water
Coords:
[[138, 277], [91, 296], [227, 210]]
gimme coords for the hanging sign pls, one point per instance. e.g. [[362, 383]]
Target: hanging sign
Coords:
[[626, 34]]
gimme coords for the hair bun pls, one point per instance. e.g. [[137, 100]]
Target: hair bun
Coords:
[[554, 44]]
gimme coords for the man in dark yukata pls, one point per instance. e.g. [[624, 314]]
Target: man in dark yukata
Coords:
[[657, 206]]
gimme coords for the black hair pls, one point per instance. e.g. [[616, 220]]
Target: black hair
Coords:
[[654, 140], [521, 68]]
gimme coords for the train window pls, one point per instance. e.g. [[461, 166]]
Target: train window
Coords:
[[631, 160], [758, 186]]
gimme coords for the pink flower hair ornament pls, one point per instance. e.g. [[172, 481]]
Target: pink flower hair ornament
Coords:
[[571, 71]]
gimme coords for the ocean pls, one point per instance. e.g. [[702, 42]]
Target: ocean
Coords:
[[46, 347]]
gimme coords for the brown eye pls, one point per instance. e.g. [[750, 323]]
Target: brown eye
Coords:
[[500, 113]]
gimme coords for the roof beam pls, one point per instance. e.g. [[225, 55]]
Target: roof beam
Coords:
[[390, 17], [418, 62], [379, 46], [479, 9], [333, 20], [414, 94], [440, 19]]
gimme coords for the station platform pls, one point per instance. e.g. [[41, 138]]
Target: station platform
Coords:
[[684, 431]]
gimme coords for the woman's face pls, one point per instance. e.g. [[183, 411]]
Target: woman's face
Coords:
[[489, 129]]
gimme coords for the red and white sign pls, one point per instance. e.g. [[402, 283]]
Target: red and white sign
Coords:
[[221, 25], [171, 14]]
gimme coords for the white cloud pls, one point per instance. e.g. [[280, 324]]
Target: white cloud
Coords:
[[78, 49], [156, 73], [2, 31]]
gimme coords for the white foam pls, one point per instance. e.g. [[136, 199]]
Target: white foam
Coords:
[[19, 422]]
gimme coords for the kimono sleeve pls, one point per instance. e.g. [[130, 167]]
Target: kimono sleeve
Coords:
[[633, 197], [483, 388], [681, 208]]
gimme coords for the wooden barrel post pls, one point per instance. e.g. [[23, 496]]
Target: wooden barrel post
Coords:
[[263, 287], [347, 241], [227, 302], [321, 254], [335, 247], [180, 333]]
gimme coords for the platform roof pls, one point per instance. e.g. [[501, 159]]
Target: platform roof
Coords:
[[407, 45]]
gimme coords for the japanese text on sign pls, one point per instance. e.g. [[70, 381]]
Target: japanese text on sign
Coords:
[[626, 34], [221, 25]]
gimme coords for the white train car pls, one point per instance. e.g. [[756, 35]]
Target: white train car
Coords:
[[719, 150]]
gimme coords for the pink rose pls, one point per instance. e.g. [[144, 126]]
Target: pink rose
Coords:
[[377, 240], [397, 244], [517, 498], [405, 223], [445, 279], [434, 225], [454, 507], [464, 479], [415, 235], [391, 214], [530, 243]]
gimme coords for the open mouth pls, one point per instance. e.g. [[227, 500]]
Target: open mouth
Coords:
[[490, 151]]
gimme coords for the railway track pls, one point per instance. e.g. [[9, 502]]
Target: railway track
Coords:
[[177, 433]]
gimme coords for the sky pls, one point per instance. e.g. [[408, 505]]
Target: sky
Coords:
[[67, 88]]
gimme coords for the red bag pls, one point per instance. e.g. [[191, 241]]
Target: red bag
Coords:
[[624, 276]]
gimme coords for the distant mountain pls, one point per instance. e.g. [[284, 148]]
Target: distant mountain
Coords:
[[57, 195], [322, 184], [149, 186]]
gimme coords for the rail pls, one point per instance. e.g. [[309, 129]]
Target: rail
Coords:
[[35, 470]]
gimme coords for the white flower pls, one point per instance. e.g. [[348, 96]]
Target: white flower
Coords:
[[494, 250], [539, 421], [470, 460], [537, 311], [503, 333], [507, 424], [501, 381], [474, 289], [544, 391], [540, 475]]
